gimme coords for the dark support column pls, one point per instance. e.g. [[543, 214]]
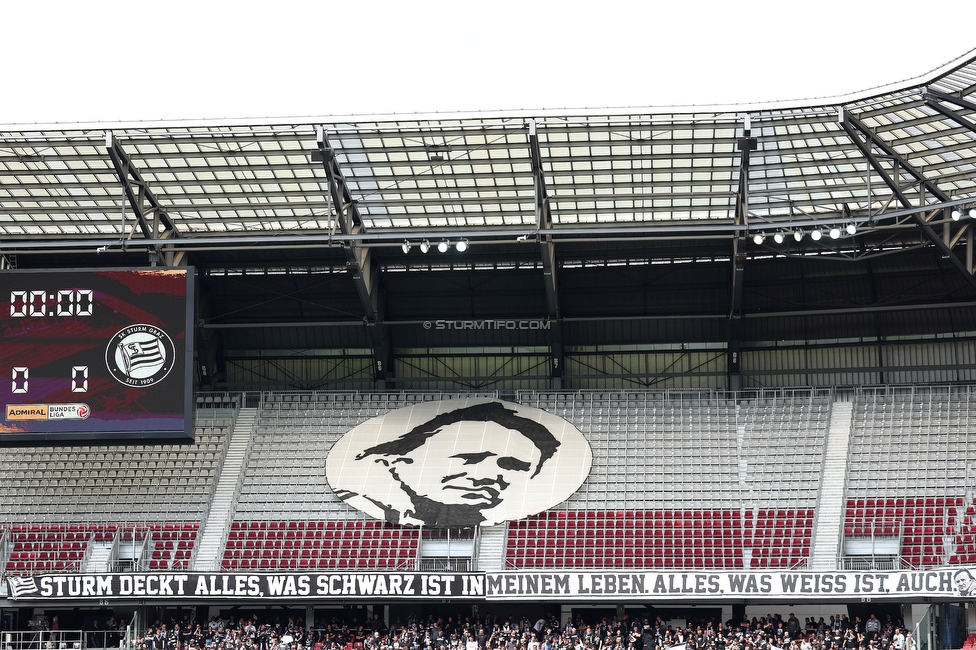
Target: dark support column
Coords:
[[543, 216], [365, 271], [746, 144]]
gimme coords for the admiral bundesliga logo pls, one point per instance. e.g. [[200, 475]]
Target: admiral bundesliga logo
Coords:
[[48, 411], [140, 355]]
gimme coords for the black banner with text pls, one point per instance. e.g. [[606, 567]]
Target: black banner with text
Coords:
[[958, 583]]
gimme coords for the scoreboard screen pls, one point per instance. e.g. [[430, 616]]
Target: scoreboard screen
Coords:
[[96, 355]]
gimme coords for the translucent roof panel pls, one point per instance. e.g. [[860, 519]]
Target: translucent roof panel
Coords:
[[644, 169]]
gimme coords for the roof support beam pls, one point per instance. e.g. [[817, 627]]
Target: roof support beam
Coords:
[[138, 194], [933, 98], [746, 144], [363, 268], [543, 218], [853, 127]]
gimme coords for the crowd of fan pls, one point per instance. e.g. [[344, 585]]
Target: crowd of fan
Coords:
[[489, 633]]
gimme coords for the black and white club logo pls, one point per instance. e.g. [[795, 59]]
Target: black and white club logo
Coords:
[[140, 355]]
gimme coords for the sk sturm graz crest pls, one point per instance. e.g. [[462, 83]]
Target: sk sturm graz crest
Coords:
[[140, 355]]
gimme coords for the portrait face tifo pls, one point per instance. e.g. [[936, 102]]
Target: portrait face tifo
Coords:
[[459, 463]]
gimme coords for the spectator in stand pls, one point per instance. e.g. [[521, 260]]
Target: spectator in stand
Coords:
[[96, 636], [793, 626], [872, 628], [810, 627], [898, 640]]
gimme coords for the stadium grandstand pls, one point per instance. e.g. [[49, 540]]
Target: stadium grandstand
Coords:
[[724, 357]]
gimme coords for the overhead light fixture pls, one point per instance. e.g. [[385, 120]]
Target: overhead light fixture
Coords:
[[405, 247], [956, 214], [461, 245], [778, 238], [816, 234], [798, 235], [972, 213], [442, 246], [424, 246], [851, 228], [835, 232], [759, 238]]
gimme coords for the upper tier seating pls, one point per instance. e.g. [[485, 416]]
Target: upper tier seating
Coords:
[[108, 483], [912, 442], [908, 475], [680, 478]]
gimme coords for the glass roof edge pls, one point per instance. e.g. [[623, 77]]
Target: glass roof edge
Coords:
[[515, 114]]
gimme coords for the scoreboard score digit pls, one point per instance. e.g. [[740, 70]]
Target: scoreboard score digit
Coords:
[[96, 355]]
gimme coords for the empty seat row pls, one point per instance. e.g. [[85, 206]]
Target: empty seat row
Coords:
[[264, 544]]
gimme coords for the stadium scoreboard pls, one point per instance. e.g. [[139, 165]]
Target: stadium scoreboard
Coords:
[[96, 355]]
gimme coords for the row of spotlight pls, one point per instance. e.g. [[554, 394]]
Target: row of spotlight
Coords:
[[816, 234], [834, 232], [442, 246]]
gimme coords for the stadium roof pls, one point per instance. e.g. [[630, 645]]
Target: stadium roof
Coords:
[[541, 190], [648, 170]]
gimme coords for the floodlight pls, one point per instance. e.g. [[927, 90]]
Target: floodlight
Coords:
[[956, 214], [816, 234], [797, 235], [778, 238], [851, 228], [424, 246], [442, 246], [405, 247], [461, 245], [759, 238], [834, 232]]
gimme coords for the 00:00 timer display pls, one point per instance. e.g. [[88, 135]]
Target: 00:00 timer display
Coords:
[[67, 302]]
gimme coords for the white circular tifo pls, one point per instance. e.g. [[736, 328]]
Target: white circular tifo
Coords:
[[365, 482]]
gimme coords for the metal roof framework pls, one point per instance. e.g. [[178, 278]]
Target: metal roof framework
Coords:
[[361, 195]]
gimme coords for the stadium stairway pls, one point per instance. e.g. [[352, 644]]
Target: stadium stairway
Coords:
[[99, 557], [830, 510], [215, 528], [491, 548]]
